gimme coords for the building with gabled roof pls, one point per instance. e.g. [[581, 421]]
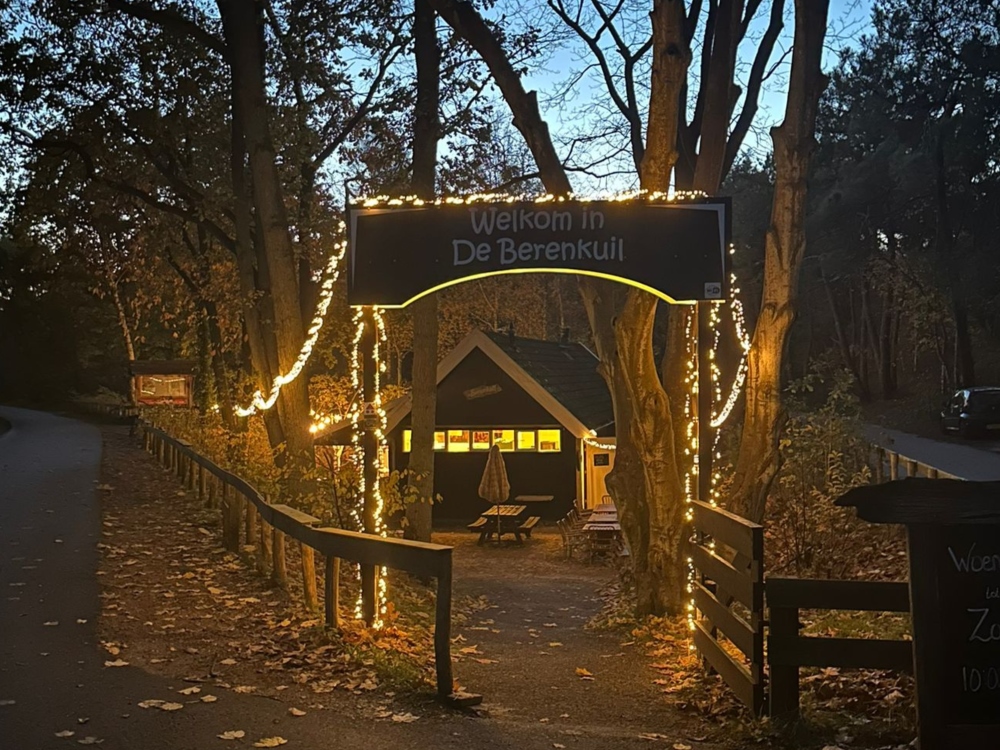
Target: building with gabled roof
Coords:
[[543, 402]]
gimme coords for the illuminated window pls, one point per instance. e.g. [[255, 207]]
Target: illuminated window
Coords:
[[407, 440], [458, 441], [504, 438], [481, 440], [549, 441], [439, 441], [526, 440]]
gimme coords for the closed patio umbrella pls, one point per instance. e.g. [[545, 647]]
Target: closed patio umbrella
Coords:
[[494, 486]]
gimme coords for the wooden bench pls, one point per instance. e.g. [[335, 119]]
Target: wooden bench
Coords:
[[530, 523], [478, 524]]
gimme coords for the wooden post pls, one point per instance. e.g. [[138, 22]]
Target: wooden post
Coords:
[[252, 539], [279, 572], [911, 467], [369, 445], [706, 435], [442, 633], [308, 577], [202, 489], [331, 592], [932, 473], [784, 684], [264, 548], [230, 519], [893, 466]]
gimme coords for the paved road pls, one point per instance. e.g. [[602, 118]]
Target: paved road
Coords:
[[55, 674], [972, 460]]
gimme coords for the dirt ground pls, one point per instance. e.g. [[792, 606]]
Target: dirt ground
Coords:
[[176, 604]]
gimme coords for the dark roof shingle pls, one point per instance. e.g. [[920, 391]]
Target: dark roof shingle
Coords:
[[566, 370]]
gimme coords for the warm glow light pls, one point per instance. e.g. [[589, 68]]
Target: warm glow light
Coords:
[[259, 403]]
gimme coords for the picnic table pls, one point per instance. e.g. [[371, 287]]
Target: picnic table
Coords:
[[503, 519], [602, 529]]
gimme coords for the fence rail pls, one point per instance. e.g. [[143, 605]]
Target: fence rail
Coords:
[[247, 513], [787, 650], [903, 466], [718, 586]]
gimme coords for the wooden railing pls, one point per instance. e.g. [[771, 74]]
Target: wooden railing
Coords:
[[718, 586], [900, 466], [245, 512], [787, 650]]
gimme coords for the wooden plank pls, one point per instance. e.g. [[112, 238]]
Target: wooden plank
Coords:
[[279, 571], [864, 596], [735, 675], [735, 628], [725, 527], [840, 652], [304, 518], [734, 582], [419, 558]]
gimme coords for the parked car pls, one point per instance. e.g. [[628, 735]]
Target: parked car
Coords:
[[972, 412]]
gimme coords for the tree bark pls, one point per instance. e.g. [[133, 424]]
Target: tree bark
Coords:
[[423, 415], [241, 22], [784, 247]]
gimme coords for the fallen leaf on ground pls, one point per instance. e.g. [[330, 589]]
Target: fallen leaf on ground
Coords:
[[232, 734], [7, 703], [89, 741], [151, 703], [296, 711], [244, 689], [681, 746], [65, 733], [51, 623], [81, 622], [208, 699], [116, 663], [584, 674], [652, 736], [171, 706], [190, 690], [270, 742], [406, 718], [228, 662], [469, 650], [555, 644]]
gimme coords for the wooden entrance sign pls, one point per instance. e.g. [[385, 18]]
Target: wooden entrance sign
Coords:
[[953, 539]]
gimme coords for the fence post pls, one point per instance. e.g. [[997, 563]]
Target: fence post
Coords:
[[911, 467], [331, 592], [784, 682], [279, 573], [230, 519], [308, 577], [932, 473], [264, 548], [442, 632], [893, 466], [202, 489], [251, 524]]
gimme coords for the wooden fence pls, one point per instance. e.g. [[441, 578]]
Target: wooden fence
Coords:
[[900, 466], [246, 514], [787, 650], [720, 587]]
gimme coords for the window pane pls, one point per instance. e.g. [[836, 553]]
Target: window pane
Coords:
[[407, 440], [458, 441], [439, 441], [504, 438], [526, 440], [549, 441], [481, 440]]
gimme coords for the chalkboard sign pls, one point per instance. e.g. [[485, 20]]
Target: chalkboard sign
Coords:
[[966, 565], [953, 540]]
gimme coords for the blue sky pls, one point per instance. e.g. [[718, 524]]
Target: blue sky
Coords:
[[582, 112]]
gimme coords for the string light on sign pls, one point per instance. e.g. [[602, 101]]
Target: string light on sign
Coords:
[[332, 273]]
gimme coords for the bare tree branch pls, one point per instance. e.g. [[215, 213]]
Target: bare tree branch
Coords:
[[171, 20]]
